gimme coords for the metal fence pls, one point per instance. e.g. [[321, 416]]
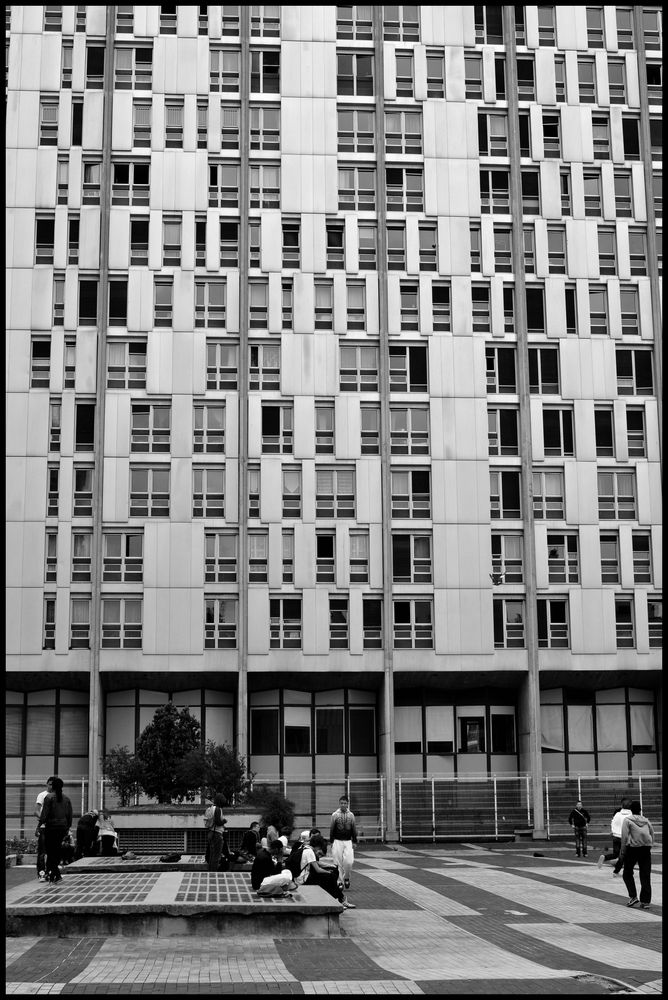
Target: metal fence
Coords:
[[427, 809]]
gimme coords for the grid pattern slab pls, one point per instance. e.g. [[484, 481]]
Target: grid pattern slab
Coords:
[[211, 887], [132, 887]]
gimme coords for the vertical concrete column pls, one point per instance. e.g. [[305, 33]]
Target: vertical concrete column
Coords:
[[96, 701], [386, 733], [244, 181], [530, 732]]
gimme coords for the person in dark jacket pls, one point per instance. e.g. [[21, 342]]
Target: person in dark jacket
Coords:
[[250, 841], [87, 828], [579, 820], [266, 863], [57, 819]]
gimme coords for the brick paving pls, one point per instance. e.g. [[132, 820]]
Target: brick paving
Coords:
[[429, 920]]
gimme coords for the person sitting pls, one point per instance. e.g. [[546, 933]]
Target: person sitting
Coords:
[[268, 877], [250, 842], [326, 878], [108, 835]]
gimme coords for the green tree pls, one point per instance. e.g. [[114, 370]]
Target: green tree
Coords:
[[161, 750], [213, 769], [123, 772], [273, 807]]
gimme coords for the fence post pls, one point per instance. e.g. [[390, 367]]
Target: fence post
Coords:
[[640, 790], [528, 781], [579, 789], [101, 793], [285, 787], [547, 805], [83, 792], [382, 811], [496, 814], [400, 811], [348, 787], [433, 812]]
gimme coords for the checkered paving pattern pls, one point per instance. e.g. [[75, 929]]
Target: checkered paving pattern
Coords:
[[133, 887], [209, 887]]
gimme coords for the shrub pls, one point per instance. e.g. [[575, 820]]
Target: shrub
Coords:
[[273, 807]]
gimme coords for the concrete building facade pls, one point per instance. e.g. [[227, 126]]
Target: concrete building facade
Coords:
[[333, 385]]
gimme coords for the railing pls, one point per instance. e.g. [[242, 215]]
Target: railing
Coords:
[[427, 809]]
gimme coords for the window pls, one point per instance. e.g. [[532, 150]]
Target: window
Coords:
[[404, 78], [370, 428], [126, 364], [171, 241], [607, 251], [325, 563], [149, 491], [635, 431], [291, 243], [500, 363], [258, 545], [552, 616], [209, 428], [472, 76], [266, 21], [598, 309], [49, 627], [94, 66], [277, 429], [503, 249], [502, 431], [476, 250], [409, 315], [202, 123], [548, 495], [520, 26], [435, 74], [53, 18], [265, 127], [508, 309], [285, 623], [335, 243], [121, 623], [167, 20], [44, 240], [529, 238], [624, 623], [617, 81], [324, 305], [50, 556], [411, 558], [603, 431], [500, 77], [162, 302], [482, 317], [625, 27], [616, 495], [409, 430], [48, 121], [356, 305], [357, 188], [623, 194], [224, 185], [264, 721], [335, 492], [400, 24], [631, 136], [642, 558], [411, 493], [40, 363], [79, 623], [254, 243], [523, 119], [123, 556], [372, 623], [551, 135], [556, 249], [504, 494], [408, 369], [229, 243], [440, 304], [609, 558], [292, 492], [601, 136], [546, 33], [329, 730], [63, 168], [492, 133], [428, 242], [258, 295], [655, 622], [224, 70], [55, 424], [359, 556], [654, 74], [570, 302], [530, 192], [403, 132], [83, 491], [220, 623], [124, 20], [286, 303], [651, 24], [324, 428], [367, 234], [595, 28], [139, 240], [53, 490], [69, 363], [210, 300], [657, 194], [338, 623], [354, 23], [229, 127], [396, 246], [221, 365], [656, 139], [265, 71], [565, 185], [560, 79], [634, 372], [288, 540], [265, 366], [638, 251], [354, 75], [358, 368], [209, 491], [84, 426], [412, 624], [535, 299], [66, 64], [587, 80], [508, 623], [562, 558], [526, 86], [507, 558], [134, 68], [130, 183], [203, 21]]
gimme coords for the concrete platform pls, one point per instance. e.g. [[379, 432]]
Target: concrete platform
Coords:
[[165, 903], [144, 863]]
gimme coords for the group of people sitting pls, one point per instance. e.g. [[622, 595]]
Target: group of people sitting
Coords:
[[96, 834], [277, 871]]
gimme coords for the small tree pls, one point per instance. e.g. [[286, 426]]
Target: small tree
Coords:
[[161, 750], [274, 808], [217, 768], [123, 772]]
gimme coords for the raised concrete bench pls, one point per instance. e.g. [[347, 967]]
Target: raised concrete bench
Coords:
[[164, 904], [144, 863]]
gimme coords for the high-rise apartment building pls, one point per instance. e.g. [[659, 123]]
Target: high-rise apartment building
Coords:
[[333, 385]]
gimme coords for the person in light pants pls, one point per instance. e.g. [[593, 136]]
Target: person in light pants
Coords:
[[342, 836]]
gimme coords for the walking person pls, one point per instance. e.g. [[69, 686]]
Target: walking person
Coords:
[[636, 849], [57, 819], [342, 836], [39, 832], [616, 831], [579, 819], [214, 822]]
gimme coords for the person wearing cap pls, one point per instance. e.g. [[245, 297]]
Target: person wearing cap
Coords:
[[215, 828]]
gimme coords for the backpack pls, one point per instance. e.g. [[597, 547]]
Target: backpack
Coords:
[[293, 861]]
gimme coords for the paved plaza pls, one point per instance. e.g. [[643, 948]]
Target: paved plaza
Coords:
[[464, 919]]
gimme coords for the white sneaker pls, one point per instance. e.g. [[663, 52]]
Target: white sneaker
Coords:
[[347, 905], [42, 876], [601, 860]]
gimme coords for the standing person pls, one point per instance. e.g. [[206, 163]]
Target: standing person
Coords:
[[342, 836], [616, 831], [57, 819], [87, 834], [579, 820], [636, 849], [215, 827], [39, 832]]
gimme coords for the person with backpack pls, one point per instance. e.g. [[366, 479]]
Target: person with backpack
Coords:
[[56, 816], [214, 821], [579, 819], [636, 849]]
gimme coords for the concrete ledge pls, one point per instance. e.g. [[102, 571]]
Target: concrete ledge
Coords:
[[105, 865]]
